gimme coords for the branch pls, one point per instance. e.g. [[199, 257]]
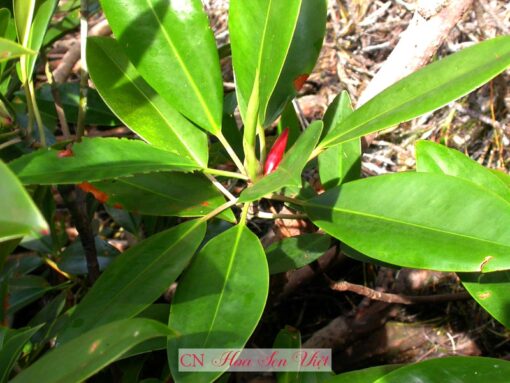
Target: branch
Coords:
[[398, 298]]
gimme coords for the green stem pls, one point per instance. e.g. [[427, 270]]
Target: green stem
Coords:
[[283, 198], [225, 173], [37, 114], [244, 213], [30, 122], [220, 187], [250, 131], [217, 211], [231, 153], [318, 150]]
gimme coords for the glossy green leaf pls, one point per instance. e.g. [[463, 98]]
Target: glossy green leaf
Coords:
[[19, 215], [74, 261], [261, 33], [5, 20], [367, 375], [502, 176], [220, 298], [435, 158], [165, 194], [90, 352], [490, 290], [341, 163], [288, 337], [136, 278], [11, 349], [452, 369], [303, 53], [295, 252], [172, 46], [418, 220], [96, 159], [289, 171], [32, 18], [426, 90], [23, 16], [10, 50], [142, 110]]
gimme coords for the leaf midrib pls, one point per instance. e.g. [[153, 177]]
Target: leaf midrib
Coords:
[[184, 68], [133, 281], [404, 223], [403, 105], [194, 156], [227, 275]]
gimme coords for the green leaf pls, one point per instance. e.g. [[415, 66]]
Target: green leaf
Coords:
[[165, 194], [426, 90], [10, 50], [73, 259], [452, 369], [435, 158], [367, 375], [142, 110], [90, 352], [303, 53], [295, 252], [289, 171], [490, 290], [20, 216], [220, 298], [136, 278], [502, 176], [172, 46], [11, 349], [341, 163], [97, 111], [96, 159], [288, 337], [32, 18], [418, 220], [261, 33]]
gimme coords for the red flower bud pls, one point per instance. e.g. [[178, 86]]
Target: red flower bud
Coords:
[[276, 153]]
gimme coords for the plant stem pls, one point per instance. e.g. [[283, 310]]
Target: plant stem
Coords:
[[231, 153], [37, 114], [84, 73], [265, 215], [220, 187], [75, 199], [250, 131], [262, 142], [225, 173], [318, 150], [218, 210], [58, 102], [283, 198], [9, 134], [30, 122], [6, 144], [55, 267], [244, 213]]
